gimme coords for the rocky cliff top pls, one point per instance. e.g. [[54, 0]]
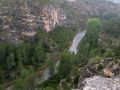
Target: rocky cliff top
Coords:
[[102, 83]]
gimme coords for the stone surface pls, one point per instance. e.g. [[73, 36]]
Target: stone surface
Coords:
[[23, 17], [102, 83]]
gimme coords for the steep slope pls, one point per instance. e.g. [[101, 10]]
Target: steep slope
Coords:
[[79, 10], [22, 17], [95, 7], [19, 18], [103, 63]]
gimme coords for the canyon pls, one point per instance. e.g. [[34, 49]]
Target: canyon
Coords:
[[22, 18], [42, 33], [73, 49]]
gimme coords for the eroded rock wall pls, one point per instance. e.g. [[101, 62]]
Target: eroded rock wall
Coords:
[[23, 17], [50, 17]]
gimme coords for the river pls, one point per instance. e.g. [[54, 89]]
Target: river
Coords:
[[76, 42], [73, 49]]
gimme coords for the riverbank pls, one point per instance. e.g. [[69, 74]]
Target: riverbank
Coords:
[[73, 49]]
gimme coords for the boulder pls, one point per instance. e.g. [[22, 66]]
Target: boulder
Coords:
[[102, 83]]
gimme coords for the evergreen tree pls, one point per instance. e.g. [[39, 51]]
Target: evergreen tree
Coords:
[[65, 65], [26, 81]]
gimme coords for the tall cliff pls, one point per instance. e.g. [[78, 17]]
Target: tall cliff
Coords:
[[22, 17]]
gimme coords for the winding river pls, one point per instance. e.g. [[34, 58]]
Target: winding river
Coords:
[[73, 49], [76, 42]]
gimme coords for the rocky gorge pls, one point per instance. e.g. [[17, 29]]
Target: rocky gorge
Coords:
[[19, 19], [22, 18], [44, 45]]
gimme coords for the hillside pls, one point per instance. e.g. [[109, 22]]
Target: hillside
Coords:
[[59, 45], [95, 7], [19, 19], [22, 18]]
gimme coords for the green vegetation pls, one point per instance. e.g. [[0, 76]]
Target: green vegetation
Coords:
[[21, 62], [69, 63], [13, 56], [42, 51], [91, 49], [26, 80], [88, 46], [93, 31], [16, 59], [62, 37], [66, 64]]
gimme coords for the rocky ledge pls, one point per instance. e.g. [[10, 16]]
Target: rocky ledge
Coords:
[[102, 83]]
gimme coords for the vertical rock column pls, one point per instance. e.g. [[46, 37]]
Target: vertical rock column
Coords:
[[49, 18], [45, 20]]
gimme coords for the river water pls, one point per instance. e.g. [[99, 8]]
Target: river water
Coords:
[[76, 42], [73, 49]]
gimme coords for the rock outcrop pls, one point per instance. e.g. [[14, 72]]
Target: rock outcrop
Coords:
[[106, 68], [50, 17], [23, 17], [102, 83]]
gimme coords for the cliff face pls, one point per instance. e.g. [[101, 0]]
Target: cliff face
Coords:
[[50, 17], [102, 8], [22, 17]]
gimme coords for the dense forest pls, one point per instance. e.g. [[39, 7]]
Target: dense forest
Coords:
[[18, 59], [97, 45], [91, 52]]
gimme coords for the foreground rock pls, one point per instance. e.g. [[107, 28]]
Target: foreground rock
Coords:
[[102, 83]]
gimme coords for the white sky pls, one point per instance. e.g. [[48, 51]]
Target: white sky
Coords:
[[117, 1], [71, 0]]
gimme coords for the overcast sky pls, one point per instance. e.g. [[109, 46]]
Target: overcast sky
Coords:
[[71, 0], [117, 1]]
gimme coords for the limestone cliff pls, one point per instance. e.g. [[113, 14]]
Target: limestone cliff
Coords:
[[50, 17], [23, 17]]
